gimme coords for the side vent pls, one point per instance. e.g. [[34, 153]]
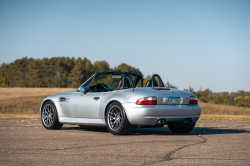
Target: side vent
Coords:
[[63, 99]]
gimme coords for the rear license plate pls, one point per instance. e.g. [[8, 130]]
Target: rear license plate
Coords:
[[173, 100]]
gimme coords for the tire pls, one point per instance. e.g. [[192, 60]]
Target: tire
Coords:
[[82, 126], [49, 116], [182, 128], [117, 121]]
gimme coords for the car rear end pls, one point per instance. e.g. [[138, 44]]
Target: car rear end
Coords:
[[163, 106]]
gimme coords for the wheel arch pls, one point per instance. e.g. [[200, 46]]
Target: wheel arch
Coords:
[[109, 103], [123, 97], [46, 100], [55, 123], [107, 106]]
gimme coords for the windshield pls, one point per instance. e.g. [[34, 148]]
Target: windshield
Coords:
[[109, 81]]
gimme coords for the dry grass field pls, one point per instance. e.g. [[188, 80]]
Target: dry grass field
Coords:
[[25, 102], [6, 93], [217, 109]]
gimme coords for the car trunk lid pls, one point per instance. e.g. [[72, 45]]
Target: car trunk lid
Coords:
[[168, 96]]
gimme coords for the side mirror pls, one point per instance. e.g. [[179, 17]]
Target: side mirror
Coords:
[[83, 91]]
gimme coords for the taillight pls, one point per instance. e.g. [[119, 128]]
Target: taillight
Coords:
[[193, 100], [147, 101]]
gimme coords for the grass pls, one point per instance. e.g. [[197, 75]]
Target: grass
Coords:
[[21, 115], [7, 93], [25, 102], [21, 105], [225, 117], [217, 109]]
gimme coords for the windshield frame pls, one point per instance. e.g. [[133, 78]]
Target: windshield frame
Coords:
[[137, 79]]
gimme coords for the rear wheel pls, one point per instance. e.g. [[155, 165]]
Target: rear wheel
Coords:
[[117, 121], [49, 116], [182, 128]]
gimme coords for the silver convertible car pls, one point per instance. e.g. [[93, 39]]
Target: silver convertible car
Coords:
[[119, 101]]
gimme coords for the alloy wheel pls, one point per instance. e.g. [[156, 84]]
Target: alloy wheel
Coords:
[[115, 118], [48, 115]]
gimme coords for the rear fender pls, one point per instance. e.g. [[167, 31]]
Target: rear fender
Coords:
[[122, 96]]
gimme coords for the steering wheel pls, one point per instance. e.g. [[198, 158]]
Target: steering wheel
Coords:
[[101, 85], [91, 89]]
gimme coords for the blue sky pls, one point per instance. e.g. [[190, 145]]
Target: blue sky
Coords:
[[189, 43]]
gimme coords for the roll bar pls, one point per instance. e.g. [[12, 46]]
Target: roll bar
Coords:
[[159, 78]]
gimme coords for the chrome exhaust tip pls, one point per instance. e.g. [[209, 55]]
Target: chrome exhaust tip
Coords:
[[188, 120], [161, 121]]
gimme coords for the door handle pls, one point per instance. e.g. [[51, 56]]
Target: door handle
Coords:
[[96, 98]]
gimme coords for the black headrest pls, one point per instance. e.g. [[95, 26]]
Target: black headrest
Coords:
[[149, 83], [127, 84]]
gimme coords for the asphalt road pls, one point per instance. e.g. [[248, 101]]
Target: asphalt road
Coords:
[[24, 141]]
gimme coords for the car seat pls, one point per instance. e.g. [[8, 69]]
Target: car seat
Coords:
[[149, 83]]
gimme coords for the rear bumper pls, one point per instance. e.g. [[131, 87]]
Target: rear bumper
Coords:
[[140, 115]]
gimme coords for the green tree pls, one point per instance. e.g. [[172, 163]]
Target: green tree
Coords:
[[190, 89], [101, 66], [148, 77], [34, 74], [168, 84], [123, 67], [82, 70], [4, 75]]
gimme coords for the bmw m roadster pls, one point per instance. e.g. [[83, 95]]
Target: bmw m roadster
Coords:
[[119, 101]]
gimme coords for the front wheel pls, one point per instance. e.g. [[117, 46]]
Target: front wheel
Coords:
[[49, 116], [182, 128], [117, 121]]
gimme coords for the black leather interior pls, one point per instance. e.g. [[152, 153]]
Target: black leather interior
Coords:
[[149, 83], [126, 86]]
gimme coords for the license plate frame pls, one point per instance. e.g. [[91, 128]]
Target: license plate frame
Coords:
[[174, 100]]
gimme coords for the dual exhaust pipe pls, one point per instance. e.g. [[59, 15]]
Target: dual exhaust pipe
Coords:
[[163, 121], [188, 120]]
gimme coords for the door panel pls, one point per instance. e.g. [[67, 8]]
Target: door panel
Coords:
[[86, 106]]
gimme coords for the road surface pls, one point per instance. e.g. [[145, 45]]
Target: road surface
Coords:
[[24, 141]]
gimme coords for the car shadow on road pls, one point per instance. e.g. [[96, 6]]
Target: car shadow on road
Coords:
[[216, 130], [164, 130], [86, 128], [195, 131]]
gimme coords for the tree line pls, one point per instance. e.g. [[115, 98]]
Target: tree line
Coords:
[[240, 98], [70, 72], [54, 72]]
